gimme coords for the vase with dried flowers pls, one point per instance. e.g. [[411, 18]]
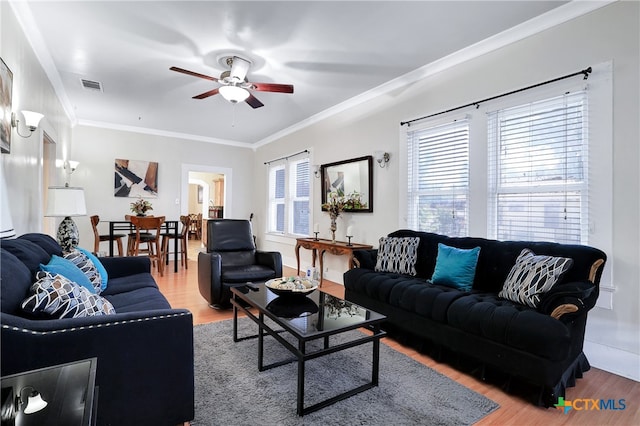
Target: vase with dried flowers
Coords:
[[337, 202], [141, 207]]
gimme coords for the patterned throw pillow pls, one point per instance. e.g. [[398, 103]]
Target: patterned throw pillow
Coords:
[[56, 296], [87, 267], [398, 255], [532, 276]]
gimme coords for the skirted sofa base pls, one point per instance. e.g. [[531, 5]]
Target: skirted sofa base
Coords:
[[532, 352]]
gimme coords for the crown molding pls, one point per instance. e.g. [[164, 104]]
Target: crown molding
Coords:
[[164, 133]]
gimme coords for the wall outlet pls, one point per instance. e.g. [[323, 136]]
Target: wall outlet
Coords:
[[177, 201]]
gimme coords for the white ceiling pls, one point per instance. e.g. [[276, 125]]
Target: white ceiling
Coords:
[[330, 51]]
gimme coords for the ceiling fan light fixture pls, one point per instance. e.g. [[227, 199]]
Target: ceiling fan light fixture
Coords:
[[234, 94]]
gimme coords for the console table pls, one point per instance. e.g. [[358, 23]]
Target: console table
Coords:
[[321, 246]]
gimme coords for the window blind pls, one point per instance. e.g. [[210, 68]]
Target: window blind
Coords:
[[289, 197], [438, 178], [538, 180], [300, 212], [276, 198]]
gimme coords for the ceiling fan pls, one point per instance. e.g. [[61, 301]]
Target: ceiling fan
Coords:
[[235, 86]]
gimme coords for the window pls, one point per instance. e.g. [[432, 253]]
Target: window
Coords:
[[538, 170], [438, 173], [289, 195]]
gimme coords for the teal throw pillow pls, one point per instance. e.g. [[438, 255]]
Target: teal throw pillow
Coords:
[[99, 266], [61, 266], [455, 267]]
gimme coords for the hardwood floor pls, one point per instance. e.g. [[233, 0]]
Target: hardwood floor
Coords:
[[181, 289]]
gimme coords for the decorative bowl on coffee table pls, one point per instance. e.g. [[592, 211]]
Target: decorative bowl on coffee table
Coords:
[[291, 286]]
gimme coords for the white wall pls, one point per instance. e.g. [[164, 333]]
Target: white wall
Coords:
[[32, 91], [97, 148], [607, 34]]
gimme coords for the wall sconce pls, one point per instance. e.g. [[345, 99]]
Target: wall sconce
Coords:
[[382, 158], [34, 403], [31, 120], [70, 167], [316, 171]]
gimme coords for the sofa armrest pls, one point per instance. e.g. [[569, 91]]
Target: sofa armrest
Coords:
[[146, 353], [365, 258], [568, 300], [124, 266], [271, 259]]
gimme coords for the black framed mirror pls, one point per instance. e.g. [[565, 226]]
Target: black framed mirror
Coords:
[[354, 176]]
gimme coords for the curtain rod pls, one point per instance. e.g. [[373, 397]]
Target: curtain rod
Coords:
[[584, 72], [306, 151]]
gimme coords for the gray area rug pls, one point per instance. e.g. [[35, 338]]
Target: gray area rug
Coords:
[[229, 389]]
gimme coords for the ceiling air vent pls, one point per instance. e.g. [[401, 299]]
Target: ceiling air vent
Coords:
[[91, 85]]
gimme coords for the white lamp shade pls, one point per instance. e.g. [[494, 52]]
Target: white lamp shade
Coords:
[[32, 119], [35, 403], [234, 94], [65, 201], [6, 224]]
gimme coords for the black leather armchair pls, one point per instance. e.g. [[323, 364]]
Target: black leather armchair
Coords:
[[232, 260]]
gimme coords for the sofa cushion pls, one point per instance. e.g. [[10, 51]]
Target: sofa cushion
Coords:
[[512, 324], [455, 267], [15, 278], [532, 276], [87, 267], [66, 268], [53, 295], [409, 293], [29, 253], [398, 255], [45, 242], [246, 273], [138, 299]]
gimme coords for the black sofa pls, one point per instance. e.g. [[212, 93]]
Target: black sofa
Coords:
[[533, 352], [144, 373]]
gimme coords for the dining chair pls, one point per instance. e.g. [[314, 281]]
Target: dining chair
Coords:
[[185, 220], [193, 227], [148, 231], [98, 238], [132, 234]]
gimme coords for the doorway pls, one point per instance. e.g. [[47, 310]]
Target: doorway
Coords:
[[204, 187]]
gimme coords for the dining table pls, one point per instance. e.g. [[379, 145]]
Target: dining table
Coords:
[[169, 226]]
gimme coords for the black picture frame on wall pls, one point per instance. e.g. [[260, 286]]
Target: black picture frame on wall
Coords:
[[348, 176], [6, 89]]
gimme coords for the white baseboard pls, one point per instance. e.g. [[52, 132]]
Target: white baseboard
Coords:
[[613, 360]]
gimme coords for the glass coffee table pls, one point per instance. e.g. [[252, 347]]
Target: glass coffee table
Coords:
[[317, 315]]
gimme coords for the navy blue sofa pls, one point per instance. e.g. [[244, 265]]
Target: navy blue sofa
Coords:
[[144, 352], [534, 352]]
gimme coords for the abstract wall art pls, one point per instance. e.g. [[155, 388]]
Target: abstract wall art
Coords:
[[6, 87], [136, 178]]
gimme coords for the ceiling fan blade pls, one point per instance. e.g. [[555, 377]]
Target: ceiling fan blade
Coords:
[[206, 94], [272, 87], [192, 73], [254, 102]]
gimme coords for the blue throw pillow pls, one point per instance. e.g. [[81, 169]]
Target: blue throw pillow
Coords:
[[99, 266], [455, 267], [66, 268]]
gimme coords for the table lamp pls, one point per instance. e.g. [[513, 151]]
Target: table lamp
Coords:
[[66, 201]]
